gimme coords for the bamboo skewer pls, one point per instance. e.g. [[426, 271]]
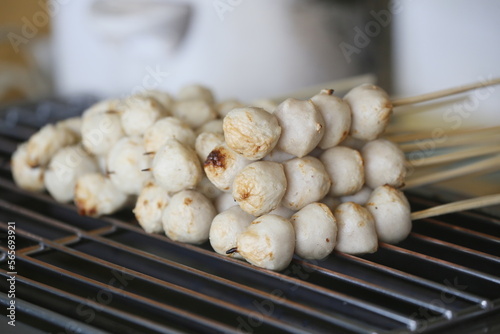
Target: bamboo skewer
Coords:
[[430, 135], [412, 109], [455, 156], [473, 203], [443, 93], [485, 165], [346, 84], [477, 138]]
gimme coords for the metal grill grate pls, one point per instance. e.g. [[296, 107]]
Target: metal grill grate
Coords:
[[81, 275]]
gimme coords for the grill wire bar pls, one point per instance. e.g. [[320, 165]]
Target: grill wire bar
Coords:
[[77, 274]]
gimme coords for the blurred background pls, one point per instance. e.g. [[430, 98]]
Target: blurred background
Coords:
[[251, 49], [245, 49]]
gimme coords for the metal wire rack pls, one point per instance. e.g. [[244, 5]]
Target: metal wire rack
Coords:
[[76, 274]]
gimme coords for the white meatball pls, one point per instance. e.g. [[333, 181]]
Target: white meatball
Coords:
[[224, 201], [176, 167], [95, 195], [356, 229], [105, 106], [166, 129], [337, 116], [226, 106], [283, 212], [361, 197], [206, 142], [214, 125], [165, 99], [194, 112], [307, 182], [126, 162], [149, 207], [196, 92], [315, 231], [251, 132], [208, 189], [266, 104], [46, 142], [345, 168], [385, 163], [25, 176], [101, 131], [391, 211], [302, 126], [225, 229], [139, 113], [259, 187], [371, 110], [278, 156], [222, 165], [268, 242], [188, 216], [64, 169]]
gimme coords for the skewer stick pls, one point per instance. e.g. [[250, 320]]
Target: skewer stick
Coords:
[[477, 138], [468, 204], [443, 93], [485, 165], [423, 135], [456, 156], [411, 109], [398, 128]]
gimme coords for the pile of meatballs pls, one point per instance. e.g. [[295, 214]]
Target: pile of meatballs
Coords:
[[260, 182]]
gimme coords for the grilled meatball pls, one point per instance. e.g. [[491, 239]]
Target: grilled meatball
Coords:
[[307, 182], [345, 168], [188, 216], [371, 110], [251, 132], [67, 165], [268, 242], [259, 187], [222, 165], [302, 126], [356, 229], [149, 207], [337, 116], [315, 231], [391, 211], [385, 163], [176, 167], [225, 229]]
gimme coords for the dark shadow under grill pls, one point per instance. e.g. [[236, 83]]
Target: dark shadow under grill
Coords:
[[76, 274]]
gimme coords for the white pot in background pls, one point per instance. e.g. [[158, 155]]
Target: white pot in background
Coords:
[[245, 49]]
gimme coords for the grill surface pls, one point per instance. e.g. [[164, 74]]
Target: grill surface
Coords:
[[81, 275]]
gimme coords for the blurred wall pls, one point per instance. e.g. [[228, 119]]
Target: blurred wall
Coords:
[[442, 44], [241, 48], [24, 48]]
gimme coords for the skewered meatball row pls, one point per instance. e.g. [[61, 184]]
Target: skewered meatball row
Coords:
[[31, 159], [251, 132], [106, 138], [317, 127], [350, 228], [198, 177]]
